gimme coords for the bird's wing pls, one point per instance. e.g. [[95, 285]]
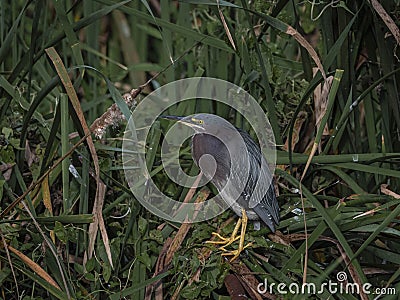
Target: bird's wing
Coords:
[[267, 208], [203, 144]]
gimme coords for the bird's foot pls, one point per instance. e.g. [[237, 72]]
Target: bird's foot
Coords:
[[234, 253], [242, 222], [223, 240], [227, 241]]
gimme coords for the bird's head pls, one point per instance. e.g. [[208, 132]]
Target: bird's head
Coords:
[[199, 122]]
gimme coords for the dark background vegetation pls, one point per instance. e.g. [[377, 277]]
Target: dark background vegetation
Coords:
[[350, 191]]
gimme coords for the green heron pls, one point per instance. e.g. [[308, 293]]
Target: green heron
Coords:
[[205, 142]]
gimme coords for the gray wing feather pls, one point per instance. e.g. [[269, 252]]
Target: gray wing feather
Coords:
[[267, 208]]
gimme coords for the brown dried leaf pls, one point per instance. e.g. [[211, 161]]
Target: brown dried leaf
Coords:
[[46, 195], [226, 28], [279, 238], [302, 41], [298, 124], [321, 93], [184, 229], [234, 287], [30, 157], [99, 198], [249, 281], [386, 191], [102, 226], [34, 266], [387, 19], [158, 269], [8, 170]]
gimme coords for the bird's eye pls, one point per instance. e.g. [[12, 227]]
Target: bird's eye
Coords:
[[198, 121]]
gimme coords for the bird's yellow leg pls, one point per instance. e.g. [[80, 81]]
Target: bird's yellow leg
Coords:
[[227, 241], [242, 224], [241, 247]]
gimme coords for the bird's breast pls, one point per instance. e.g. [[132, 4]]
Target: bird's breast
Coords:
[[206, 144]]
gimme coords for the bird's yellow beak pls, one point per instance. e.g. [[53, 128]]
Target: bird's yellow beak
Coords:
[[183, 120]]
